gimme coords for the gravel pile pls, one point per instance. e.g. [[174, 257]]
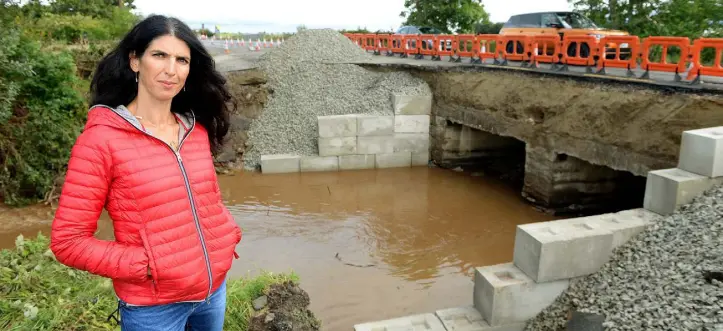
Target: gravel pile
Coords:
[[305, 86], [656, 281]]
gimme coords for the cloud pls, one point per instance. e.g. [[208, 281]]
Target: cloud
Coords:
[[286, 15]]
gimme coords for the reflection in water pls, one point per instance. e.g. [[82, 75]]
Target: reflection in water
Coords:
[[421, 230]]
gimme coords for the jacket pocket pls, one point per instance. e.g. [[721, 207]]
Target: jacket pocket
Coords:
[[151, 261]]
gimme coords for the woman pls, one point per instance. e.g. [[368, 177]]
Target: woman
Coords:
[[145, 155]]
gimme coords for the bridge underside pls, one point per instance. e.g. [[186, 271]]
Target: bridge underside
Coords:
[[576, 143]]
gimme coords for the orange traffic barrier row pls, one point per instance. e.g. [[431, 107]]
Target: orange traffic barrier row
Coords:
[[625, 52]]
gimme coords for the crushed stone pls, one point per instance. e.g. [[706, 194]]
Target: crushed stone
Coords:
[[305, 85], [657, 280]]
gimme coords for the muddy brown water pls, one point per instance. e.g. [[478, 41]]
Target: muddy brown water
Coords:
[[367, 245]]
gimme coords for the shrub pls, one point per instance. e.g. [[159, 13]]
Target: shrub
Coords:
[[41, 114], [39, 293]]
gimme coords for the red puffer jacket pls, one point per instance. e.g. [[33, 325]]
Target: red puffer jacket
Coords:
[[166, 209]]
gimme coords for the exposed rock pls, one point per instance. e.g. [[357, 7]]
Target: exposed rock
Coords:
[[287, 310]]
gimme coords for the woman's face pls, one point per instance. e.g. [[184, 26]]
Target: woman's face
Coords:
[[163, 68]]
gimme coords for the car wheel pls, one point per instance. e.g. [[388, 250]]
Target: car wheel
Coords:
[[510, 48], [584, 50]]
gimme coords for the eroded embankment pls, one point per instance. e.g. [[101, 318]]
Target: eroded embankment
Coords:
[[629, 127], [250, 92]]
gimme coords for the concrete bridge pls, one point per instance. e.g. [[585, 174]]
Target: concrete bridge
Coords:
[[584, 141]]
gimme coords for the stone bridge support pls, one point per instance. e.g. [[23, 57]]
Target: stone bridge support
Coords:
[[550, 180]]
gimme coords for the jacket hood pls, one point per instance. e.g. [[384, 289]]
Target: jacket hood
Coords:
[[121, 118]]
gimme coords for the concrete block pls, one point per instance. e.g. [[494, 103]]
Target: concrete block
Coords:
[[554, 250], [375, 145], [421, 322], [368, 125], [394, 160], [505, 295], [469, 319], [411, 142], [356, 162], [412, 104], [667, 189], [280, 163], [337, 126], [411, 124], [623, 226], [319, 163], [701, 152], [337, 146], [420, 159]]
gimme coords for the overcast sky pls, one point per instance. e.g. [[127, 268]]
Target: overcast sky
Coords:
[[285, 15]]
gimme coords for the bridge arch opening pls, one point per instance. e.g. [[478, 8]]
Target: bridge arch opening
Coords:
[[556, 182]]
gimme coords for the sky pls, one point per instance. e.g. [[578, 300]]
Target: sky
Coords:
[[274, 16]]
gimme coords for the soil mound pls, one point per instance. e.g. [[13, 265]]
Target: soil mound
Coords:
[[286, 309]]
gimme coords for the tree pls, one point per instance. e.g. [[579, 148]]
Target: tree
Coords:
[[458, 16], [689, 18], [488, 28]]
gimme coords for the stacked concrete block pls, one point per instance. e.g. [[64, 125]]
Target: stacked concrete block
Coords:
[[280, 163], [357, 162], [506, 296], [319, 163], [667, 189], [562, 249], [624, 225], [374, 126], [337, 135], [394, 160], [422, 322], [469, 319], [700, 167], [375, 145], [701, 152]]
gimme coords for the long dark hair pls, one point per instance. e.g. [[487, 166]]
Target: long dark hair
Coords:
[[206, 94]]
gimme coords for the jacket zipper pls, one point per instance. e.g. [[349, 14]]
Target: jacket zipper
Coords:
[[189, 193]]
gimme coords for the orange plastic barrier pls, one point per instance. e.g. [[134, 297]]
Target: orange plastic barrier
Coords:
[[426, 45], [545, 49], [384, 44], [466, 46], [445, 45], [633, 44], [514, 47], [412, 45], [682, 42], [698, 68], [397, 43], [483, 45], [369, 42], [586, 49]]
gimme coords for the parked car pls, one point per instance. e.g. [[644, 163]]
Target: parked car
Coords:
[[562, 24], [411, 29]]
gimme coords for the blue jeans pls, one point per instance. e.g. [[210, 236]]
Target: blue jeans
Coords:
[[206, 315]]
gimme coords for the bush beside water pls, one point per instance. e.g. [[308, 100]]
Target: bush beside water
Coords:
[[39, 293]]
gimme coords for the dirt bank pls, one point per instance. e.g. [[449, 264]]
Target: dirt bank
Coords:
[[286, 308], [250, 92], [623, 126]]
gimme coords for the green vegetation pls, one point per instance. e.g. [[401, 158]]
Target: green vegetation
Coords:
[[39, 293], [47, 54], [447, 16]]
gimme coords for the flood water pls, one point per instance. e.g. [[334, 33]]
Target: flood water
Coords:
[[367, 245]]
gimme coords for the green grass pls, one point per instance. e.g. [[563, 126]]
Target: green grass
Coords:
[[39, 293]]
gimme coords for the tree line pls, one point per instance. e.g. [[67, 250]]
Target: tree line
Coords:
[[687, 18]]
